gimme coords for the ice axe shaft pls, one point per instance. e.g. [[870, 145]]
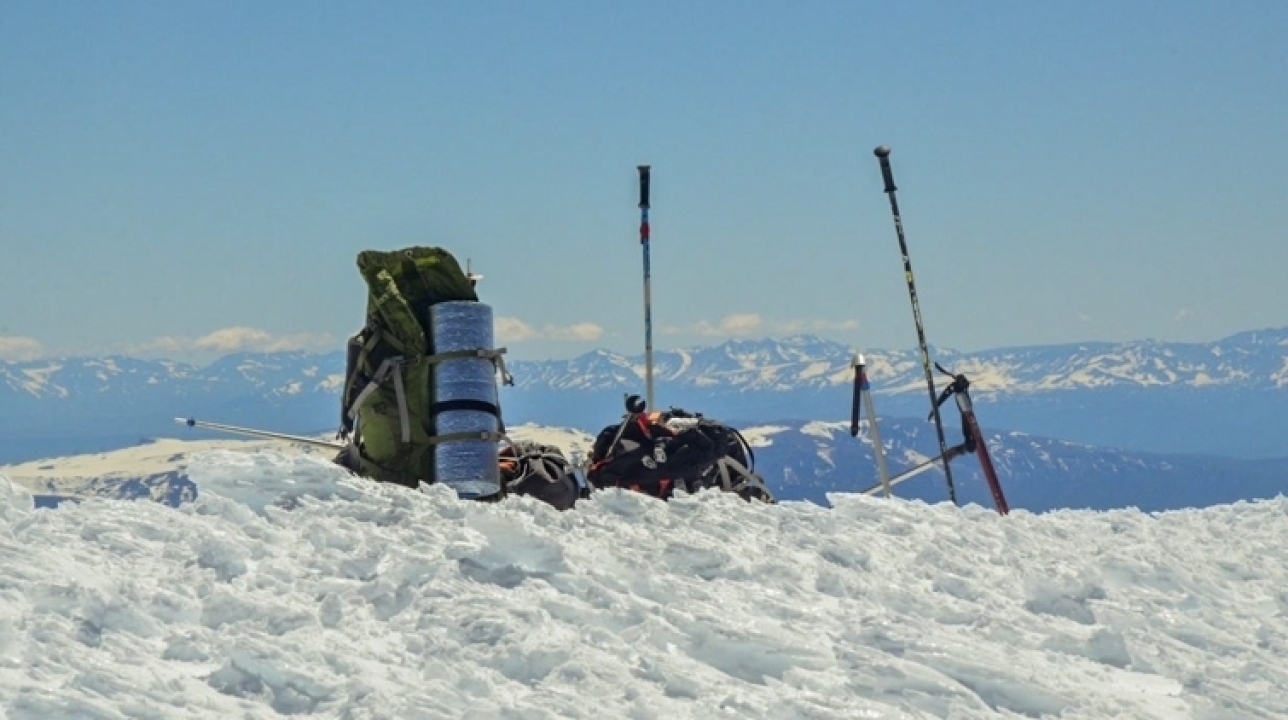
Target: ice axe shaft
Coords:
[[192, 423]]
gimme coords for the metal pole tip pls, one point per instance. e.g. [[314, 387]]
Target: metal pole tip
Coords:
[[882, 151]]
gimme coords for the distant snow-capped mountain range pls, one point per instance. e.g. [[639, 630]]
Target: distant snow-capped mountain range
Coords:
[[1256, 360], [1252, 361], [1225, 397], [283, 374]]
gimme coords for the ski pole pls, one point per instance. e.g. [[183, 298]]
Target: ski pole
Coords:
[[856, 400], [259, 433], [883, 156], [912, 472], [648, 297], [863, 392], [877, 447]]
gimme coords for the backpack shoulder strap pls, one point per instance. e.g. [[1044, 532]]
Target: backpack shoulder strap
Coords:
[[737, 478], [746, 447]]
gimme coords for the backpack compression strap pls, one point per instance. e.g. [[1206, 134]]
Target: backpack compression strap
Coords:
[[541, 463], [394, 366], [495, 355], [468, 435], [375, 336], [390, 365], [643, 421]]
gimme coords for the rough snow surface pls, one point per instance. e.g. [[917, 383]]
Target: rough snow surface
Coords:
[[289, 588], [102, 473]]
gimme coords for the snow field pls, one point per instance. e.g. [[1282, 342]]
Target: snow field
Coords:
[[289, 588]]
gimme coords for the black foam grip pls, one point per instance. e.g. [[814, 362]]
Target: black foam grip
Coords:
[[854, 404], [887, 174], [644, 180]]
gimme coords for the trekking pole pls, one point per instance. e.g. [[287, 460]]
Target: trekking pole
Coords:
[[975, 441], [648, 295], [981, 451], [259, 433], [915, 470], [856, 400], [863, 391], [883, 156]]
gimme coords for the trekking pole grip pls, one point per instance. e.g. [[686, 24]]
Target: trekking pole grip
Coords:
[[855, 400], [883, 156], [644, 179]]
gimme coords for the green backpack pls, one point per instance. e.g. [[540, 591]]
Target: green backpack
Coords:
[[386, 406]]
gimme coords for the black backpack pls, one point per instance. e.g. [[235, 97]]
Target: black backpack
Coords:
[[542, 471], [658, 453]]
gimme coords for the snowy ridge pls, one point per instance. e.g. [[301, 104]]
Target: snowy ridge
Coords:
[[83, 378], [362, 600], [1248, 360], [1252, 360]]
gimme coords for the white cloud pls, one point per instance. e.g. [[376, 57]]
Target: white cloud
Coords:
[[162, 346], [738, 324], [20, 348], [231, 339], [576, 331], [302, 341], [792, 327], [743, 324], [510, 329]]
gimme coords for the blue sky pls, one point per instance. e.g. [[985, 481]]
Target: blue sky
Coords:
[[182, 179]]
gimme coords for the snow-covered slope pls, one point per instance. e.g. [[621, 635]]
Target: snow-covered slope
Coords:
[[359, 600], [158, 469], [798, 460], [808, 460]]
